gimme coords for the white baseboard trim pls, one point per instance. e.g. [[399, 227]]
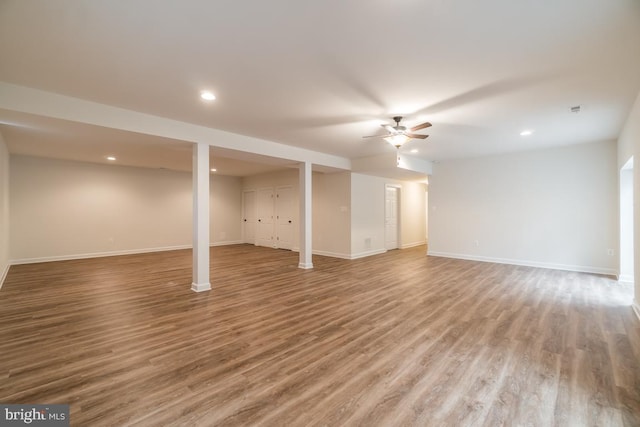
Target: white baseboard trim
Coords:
[[413, 245], [332, 254], [5, 271], [227, 243], [114, 253], [636, 308], [553, 266], [626, 278], [368, 253], [97, 254]]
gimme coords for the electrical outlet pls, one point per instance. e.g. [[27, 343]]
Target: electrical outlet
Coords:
[[477, 243], [610, 252]]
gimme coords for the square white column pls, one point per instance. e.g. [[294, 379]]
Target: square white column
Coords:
[[305, 215], [200, 169]]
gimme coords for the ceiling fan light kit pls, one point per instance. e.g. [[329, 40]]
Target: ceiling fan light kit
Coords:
[[398, 135], [397, 140]]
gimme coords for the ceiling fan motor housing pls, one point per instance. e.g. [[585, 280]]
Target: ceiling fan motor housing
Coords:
[[397, 127]]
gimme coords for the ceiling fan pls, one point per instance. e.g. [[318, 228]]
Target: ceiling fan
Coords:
[[398, 135]]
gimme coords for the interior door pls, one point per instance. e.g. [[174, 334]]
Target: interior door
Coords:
[[284, 217], [249, 217], [265, 217], [391, 218]]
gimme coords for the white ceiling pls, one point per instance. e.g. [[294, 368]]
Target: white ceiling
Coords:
[[320, 75]]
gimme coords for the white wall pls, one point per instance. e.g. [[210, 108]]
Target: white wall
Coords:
[[552, 208], [628, 146], [225, 195], [65, 209], [332, 214], [4, 210], [367, 214]]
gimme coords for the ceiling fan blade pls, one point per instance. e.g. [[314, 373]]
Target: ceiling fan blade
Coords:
[[389, 128], [421, 126], [416, 136], [379, 136]]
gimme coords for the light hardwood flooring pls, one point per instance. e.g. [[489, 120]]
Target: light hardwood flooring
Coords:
[[395, 339]]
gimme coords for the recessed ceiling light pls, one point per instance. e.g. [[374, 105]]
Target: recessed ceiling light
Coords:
[[526, 132], [214, 170], [111, 158], [207, 96], [415, 150]]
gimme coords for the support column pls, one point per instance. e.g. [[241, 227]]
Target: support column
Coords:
[[305, 215], [200, 167]]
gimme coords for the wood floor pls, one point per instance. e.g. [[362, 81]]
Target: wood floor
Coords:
[[396, 339]]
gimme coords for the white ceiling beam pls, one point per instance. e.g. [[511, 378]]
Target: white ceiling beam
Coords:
[[389, 165], [38, 102]]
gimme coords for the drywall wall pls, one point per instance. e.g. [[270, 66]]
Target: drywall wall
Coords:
[[628, 146], [367, 214], [225, 209], [4, 209], [332, 214], [64, 209], [552, 208]]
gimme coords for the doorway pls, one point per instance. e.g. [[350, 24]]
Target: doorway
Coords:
[[391, 217]]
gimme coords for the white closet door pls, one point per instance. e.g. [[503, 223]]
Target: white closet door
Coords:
[[284, 217], [391, 218], [249, 220], [265, 217]]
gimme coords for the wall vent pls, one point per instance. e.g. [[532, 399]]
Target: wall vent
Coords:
[[575, 109]]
